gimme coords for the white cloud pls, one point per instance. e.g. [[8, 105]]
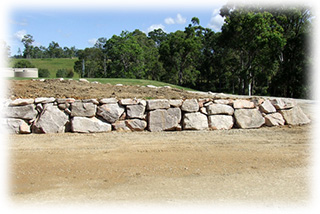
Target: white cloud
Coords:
[[169, 21], [19, 34], [155, 26], [180, 19], [92, 41], [216, 21]]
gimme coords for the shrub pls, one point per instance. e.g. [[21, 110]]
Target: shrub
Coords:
[[61, 73], [64, 73], [24, 64], [43, 72]]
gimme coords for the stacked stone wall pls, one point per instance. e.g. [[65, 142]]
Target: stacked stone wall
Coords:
[[51, 115]]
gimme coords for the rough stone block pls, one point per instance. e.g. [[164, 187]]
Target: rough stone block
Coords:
[[248, 118], [110, 112], [80, 109], [51, 120], [218, 122], [220, 109], [195, 121], [158, 104], [294, 116], [89, 125], [190, 105]]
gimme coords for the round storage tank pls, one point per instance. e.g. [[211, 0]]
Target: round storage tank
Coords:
[[26, 72]]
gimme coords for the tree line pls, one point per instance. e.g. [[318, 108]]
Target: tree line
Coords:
[[259, 51], [52, 51]]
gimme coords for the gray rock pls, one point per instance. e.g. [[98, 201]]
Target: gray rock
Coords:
[[136, 124], [128, 101], [294, 116], [63, 106], [175, 103], [21, 102], [120, 126], [110, 112], [65, 100], [190, 105], [89, 125], [94, 101], [220, 109], [218, 122], [84, 80], [51, 120], [108, 101], [27, 112], [248, 118], [195, 121], [222, 101], [45, 100], [136, 111], [283, 103], [80, 109], [158, 104], [274, 119], [17, 126], [238, 104], [267, 107], [163, 120]]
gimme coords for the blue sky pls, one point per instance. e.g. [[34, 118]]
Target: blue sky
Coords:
[[80, 27]]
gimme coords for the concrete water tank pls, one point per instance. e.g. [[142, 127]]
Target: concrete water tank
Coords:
[[26, 72]]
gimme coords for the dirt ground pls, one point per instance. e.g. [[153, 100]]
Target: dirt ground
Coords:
[[266, 166], [82, 90]]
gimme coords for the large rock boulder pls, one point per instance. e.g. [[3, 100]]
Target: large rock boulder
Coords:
[[110, 112], [89, 125], [219, 109], [158, 104], [217, 122], [267, 107], [175, 102], [195, 121], [120, 126], [136, 111], [108, 101], [283, 103], [51, 120], [190, 105], [21, 102], [248, 118], [27, 112], [162, 119], [81, 109], [238, 104], [136, 124], [274, 119], [294, 116], [17, 126]]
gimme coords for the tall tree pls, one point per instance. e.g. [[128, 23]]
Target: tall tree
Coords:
[[27, 41], [256, 38], [179, 54], [294, 58]]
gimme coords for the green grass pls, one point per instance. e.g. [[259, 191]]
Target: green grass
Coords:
[[52, 64]]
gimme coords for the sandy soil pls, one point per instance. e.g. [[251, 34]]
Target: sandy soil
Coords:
[[263, 166], [82, 90]]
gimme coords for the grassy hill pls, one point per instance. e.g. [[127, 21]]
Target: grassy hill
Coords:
[[52, 64]]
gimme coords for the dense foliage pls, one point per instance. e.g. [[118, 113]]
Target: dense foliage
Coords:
[[259, 51]]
